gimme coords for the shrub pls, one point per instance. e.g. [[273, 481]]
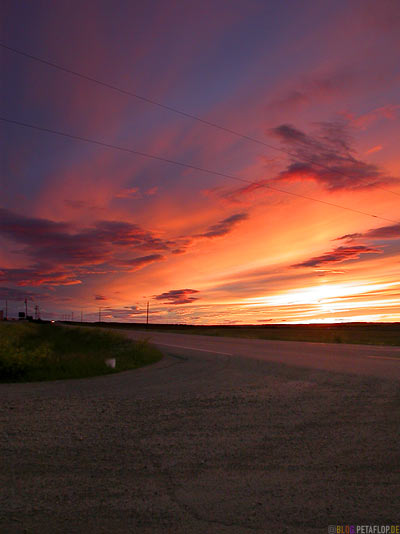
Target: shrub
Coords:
[[46, 351]]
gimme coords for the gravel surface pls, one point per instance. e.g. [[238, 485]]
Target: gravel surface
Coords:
[[208, 444]]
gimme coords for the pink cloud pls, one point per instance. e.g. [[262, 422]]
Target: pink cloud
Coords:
[[374, 149], [131, 192], [388, 112]]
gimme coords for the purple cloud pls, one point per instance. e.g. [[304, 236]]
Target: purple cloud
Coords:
[[327, 158], [225, 226], [384, 232], [60, 254], [338, 255], [178, 296], [37, 276]]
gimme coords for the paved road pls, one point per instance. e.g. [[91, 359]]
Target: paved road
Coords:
[[369, 360], [204, 443]]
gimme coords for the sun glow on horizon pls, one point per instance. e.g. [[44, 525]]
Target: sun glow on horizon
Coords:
[[319, 294]]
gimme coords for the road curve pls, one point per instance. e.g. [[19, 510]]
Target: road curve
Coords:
[[366, 360], [206, 441]]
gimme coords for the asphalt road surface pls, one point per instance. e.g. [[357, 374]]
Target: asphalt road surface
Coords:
[[221, 436], [370, 360]]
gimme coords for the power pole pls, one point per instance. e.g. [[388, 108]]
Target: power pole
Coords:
[[26, 308], [99, 314], [6, 309], [81, 316], [147, 314], [72, 316]]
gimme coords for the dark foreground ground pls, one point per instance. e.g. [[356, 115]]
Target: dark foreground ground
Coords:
[[211, 444]]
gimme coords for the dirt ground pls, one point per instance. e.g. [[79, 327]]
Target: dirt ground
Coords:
[[206, 445]]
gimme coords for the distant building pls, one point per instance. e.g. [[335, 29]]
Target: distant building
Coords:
[[1, 315], [21, 315]]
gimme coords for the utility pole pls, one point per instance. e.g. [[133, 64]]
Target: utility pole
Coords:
[[99, 314], [81, 316], [26, 308], [72, 316], [147, 314], [6, 309]]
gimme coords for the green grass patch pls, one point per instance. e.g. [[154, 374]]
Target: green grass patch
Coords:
[[32, 351]]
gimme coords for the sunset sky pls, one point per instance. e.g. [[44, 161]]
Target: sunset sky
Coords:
[[310, 234]]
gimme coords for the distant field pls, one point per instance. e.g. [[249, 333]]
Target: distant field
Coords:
[[358, 333], [33, 351]]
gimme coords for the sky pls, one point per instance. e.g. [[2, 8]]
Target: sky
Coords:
[[280, 205]]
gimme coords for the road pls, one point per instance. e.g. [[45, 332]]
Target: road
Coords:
[[205, 442], [368, 360]]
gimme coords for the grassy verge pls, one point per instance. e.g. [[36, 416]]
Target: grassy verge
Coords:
[[30, 352], [356, 333]]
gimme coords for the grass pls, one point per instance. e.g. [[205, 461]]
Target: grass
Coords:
[[356, 333], [33, 351]]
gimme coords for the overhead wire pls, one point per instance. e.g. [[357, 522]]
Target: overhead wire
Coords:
[[189, 166], [184, 114]]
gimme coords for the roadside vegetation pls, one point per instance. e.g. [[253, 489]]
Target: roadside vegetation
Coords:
[[34, 351], [356, 333]]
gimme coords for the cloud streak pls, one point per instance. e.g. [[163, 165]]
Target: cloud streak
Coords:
[[178, 296], [338, 255], [225, 226], [61, 254], [383, 232]]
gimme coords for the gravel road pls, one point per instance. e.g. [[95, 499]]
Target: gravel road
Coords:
[[200, 443]]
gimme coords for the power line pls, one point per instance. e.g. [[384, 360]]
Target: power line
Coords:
[[184, 113], [189, 166]]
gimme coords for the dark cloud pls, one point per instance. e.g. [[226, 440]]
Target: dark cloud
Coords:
[[178, 296], [28, 229], [348, 236], [100, 297], [338, 255], [327, 158], [60, 253], [384, 232], [225, 226]]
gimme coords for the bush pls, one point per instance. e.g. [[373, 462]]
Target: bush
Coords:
[[47, 352]]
